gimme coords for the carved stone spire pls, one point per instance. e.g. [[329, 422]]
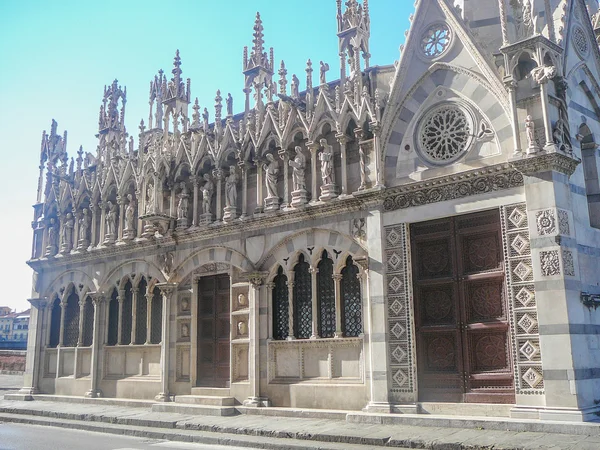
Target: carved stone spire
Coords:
[[196, 114], [282, 79], [258, 47]]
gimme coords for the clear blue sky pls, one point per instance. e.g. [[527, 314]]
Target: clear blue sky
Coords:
[[56, 58]]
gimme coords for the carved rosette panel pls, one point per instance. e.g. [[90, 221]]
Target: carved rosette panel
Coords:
[[525, 338], [400, 321]]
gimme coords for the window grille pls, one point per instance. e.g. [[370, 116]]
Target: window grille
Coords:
[[88, 323], [156, 325], [113, 319], [280, 306], [351, 300], [141, 313], [326, 297], [127, 315], [302, 300], [54, 324], [71, 333]]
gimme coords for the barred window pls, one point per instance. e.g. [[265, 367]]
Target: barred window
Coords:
[[280, 306], [113, 319], [351, 300], [127, 315], [54, 324], [88, 323], [302, 300], [71, 325], [326, 297], [156, 311], [141, 313]]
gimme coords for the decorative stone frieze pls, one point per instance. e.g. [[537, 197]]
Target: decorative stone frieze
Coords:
[[546, 162]]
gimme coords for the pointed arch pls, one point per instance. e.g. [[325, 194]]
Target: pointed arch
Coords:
[[115, 276], [211, 255]]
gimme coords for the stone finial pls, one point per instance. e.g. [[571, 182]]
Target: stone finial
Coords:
[[282, 79], [218, 106], [196, 114]]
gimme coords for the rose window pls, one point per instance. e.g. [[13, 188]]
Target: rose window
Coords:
[[445, 134], [435, 40], [580, 41]]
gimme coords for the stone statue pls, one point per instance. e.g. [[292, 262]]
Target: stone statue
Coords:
[[130, 214], [207, 193], [185, 330], [111, 219], [295, 86], [150, 199], [298, 165], [67, 233], [84, 225], [543, 74], [205, 119], [242, 328], [530, 131], [51, 247], [231, 188], [326, 158], [323, 72], [229, 102], [182, 206], [271, 172], [242, 300]]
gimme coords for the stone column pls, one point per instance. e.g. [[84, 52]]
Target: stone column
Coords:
[[315, 313], [257, 291], [120, 299], [259, 187], [141, 201], [167, 290], [337, 279], [343, 141], [314, 148], [63, 307], [376, 319], [35, 341], [95, 372], [94, 211], [290, 285], [283, 154], [218, 174], [172, 206], [244, 169], [375, 128], [195, 181], [102, 205], [77, 215], [134, 298], [80, 335], [511, 85], [148, 317], [120, 226]]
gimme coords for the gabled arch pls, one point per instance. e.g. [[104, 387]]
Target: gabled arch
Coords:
[[119, 273], [74, 277], [211, 255]]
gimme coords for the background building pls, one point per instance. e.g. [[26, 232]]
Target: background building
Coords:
[[423, 231], [14, 328]]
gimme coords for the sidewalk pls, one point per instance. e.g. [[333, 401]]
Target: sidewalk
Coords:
[[11, 382], [258, 431]]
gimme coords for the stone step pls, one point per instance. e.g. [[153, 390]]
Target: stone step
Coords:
[[465, 409], [216, 392], [195, 410], [207, 400]]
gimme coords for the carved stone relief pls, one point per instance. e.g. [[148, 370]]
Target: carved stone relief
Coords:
[[568, 263], [563, 223], [550, 263], [546, 222]]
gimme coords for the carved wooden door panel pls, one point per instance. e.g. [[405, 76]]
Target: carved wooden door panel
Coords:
[[213, 331], [461, 312]]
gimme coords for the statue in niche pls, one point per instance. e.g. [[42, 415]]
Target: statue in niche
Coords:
[[67, 232], [229, 102], [242, 300], [84, 225], [150, 198], [298, 165], [185, 330], [130, 214], [523, 18], [182, 206], [530, 132], [111, 219], [207, 193], [242, 328], [271, 171], [51, 247], [295, 87], [326, 158], [231, 188]]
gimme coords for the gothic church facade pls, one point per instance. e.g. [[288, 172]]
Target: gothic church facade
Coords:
[[426, 231]]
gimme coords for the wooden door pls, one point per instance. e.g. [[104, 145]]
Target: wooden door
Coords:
[[461, 311], [213, 331]]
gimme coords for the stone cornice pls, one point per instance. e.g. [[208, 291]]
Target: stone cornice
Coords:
[[546, 162], [451, 187]]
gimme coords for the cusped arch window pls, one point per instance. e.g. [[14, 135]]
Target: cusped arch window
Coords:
[[445, 134]]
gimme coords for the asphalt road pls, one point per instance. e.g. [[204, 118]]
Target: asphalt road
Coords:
[[32, 437]]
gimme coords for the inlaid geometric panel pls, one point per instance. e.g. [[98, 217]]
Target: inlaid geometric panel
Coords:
[[521, 291], [400, 334]]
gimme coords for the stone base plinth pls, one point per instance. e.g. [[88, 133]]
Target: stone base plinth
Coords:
[[163, 397], [299, 198], [229, 213], [109, 239], [182, 224], [328, 192], [83, 244], [93, 393], [128, 235], [205, 219], [257, 402], [271, 204]]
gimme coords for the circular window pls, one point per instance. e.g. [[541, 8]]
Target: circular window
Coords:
[[435, 40], [445, 134], [580, 42]]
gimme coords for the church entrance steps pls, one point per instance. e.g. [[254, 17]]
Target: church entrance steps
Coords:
[[294, 412], [195, 409], [124, 402], [207, 400], [358, 432], [465, 409], [218, 392]]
